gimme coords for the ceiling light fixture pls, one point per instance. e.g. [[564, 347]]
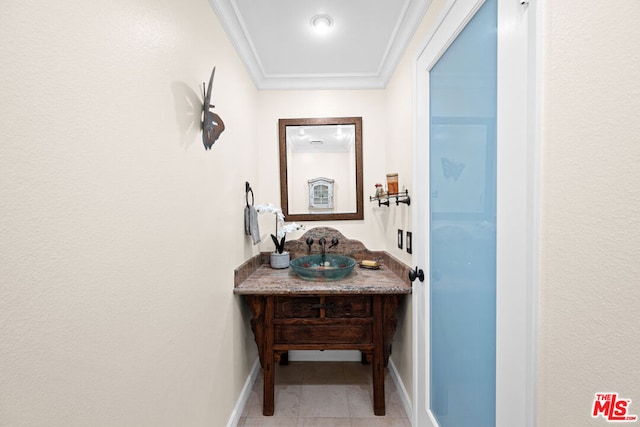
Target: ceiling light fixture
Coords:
[[321, 24]]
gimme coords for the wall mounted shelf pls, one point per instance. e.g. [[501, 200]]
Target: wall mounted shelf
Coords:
[[402, 197]]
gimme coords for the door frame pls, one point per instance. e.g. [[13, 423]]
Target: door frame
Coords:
[[518, 201]]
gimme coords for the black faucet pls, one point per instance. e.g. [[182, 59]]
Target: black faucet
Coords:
[[323, 243]]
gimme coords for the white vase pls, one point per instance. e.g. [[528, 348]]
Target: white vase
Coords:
[[279, 260]]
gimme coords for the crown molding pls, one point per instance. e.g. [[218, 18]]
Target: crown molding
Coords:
[[405, 28]]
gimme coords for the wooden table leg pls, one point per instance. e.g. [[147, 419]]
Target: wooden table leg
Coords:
[[268, 402], [284, 359], [378, 358]]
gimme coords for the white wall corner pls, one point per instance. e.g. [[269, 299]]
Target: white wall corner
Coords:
[[414, 12], [229, 21], [238, 409], [404, 396]]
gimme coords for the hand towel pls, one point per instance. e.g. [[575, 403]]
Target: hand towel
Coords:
[[247, 219], [253, 225]]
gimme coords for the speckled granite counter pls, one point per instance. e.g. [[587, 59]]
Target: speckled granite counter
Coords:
[[256, 277], [265, 280]]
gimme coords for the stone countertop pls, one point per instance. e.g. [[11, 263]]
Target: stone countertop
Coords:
[[268, 281], [256, 277]]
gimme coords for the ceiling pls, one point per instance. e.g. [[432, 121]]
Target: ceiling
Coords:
[[276, 42], [321, 138]]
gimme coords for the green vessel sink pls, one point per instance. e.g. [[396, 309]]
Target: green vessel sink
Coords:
[[323, 268]]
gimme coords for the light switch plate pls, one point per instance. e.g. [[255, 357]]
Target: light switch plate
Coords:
[[409, 241], [400, 234]]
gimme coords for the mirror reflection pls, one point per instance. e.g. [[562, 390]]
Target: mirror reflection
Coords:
[[321, 168]]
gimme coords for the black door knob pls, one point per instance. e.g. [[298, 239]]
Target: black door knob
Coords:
[[416, 274]]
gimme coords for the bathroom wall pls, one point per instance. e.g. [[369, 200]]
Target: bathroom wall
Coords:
[[383, 151], [589, 243], [399, 158], [119, 231], [387, 147], [588, 295], [368, 104]]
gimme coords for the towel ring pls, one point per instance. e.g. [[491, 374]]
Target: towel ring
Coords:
[[247, 190]]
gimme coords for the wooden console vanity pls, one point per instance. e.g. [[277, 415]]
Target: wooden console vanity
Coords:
[[356, 313]]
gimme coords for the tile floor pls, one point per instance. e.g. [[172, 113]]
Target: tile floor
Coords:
[[319, 394]]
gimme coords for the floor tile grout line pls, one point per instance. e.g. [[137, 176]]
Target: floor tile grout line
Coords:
[[341, 374]]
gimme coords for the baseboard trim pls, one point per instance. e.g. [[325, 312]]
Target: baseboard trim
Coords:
[[234, 419], [404, 396]]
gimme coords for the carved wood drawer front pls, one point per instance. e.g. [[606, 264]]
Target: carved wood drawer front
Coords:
[[297, 307], [318, 333], [351, 306]]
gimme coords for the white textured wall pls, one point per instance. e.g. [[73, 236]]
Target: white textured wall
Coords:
[[590, 244], [399, 158], [119, 232]]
